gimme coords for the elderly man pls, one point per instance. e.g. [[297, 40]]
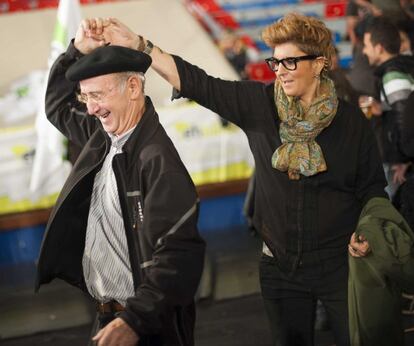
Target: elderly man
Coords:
[[124, 226]]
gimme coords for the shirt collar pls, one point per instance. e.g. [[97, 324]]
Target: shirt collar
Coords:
[[119, 141]]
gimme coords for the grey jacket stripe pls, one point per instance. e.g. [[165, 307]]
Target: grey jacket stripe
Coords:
[[183, 219], [147, 264], [134, 193]]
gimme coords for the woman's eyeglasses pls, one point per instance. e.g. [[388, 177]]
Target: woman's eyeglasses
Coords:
[[289, 63]]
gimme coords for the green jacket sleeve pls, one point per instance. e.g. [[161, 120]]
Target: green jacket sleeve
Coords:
[[376, 281]]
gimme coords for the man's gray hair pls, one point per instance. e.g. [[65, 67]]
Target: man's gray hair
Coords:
[[124, 76]]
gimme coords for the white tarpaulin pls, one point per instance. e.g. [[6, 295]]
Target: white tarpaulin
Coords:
[[212, 153], [32, 165], [50, 147], [17, 146]]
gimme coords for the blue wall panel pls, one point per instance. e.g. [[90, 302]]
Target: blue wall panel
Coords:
[[221, 212], [20, 245]]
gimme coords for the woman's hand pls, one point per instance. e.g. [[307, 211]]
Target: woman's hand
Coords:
[[118, 34], [358, 246], [89, 35]]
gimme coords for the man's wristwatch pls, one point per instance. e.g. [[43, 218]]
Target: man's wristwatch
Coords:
[[148, 47]]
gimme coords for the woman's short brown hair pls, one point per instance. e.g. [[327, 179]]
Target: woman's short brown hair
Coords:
[[309, 34]]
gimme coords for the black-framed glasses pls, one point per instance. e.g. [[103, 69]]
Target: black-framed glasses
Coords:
[[289, 63]]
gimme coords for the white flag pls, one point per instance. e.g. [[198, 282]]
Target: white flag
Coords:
[[50, 170]]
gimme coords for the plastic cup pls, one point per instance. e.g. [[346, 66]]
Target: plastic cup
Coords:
[[365, 103]]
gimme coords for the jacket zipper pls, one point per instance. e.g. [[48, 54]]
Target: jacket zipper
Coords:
[[132, 235]]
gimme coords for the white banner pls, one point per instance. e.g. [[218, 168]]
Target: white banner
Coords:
[[212, 153], [50, 148]]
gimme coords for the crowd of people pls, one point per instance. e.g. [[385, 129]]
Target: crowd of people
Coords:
[[124, 227], [382, 34]]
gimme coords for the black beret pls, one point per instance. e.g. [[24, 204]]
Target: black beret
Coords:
[[108, 59]]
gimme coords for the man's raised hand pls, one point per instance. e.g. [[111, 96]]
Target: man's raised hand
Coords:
[[90, 35]]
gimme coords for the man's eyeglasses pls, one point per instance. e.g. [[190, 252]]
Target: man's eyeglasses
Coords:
[[289, 63], [84, 98], [95, 97]]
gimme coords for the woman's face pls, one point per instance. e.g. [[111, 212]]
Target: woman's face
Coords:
[[301, 82]]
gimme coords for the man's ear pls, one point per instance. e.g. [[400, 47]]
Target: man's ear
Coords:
[[379, 48], [134, 87]]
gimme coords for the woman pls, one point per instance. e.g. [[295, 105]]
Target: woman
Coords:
[[316, 160]]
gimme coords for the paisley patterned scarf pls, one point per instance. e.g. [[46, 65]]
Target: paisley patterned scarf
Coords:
[[299, 152]]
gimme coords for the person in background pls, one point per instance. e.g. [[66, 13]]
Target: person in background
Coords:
[[395, 82], [238, 53], [124, 228], [360, 73], [408, 8], [407, 129], [404, 31], [357, 12], [317, 165], [405, 44], [343, 87], [405, 200]]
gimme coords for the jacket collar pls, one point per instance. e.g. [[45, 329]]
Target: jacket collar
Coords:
[[401, 63], [144, 130]]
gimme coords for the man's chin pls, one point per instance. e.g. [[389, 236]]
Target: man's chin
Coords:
[[373, 63], [108, 130]]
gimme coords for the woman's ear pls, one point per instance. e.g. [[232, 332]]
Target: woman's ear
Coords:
[[319, 64]]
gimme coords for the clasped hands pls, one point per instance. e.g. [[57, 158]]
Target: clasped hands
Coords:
[[96, 32]]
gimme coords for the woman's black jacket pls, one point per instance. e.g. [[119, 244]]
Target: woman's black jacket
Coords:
[[314, 214]]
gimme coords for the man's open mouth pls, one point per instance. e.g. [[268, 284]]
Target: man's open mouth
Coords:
[[103, 116]]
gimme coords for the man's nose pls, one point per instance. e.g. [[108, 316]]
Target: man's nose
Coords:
[[364, 49], [92, 107]]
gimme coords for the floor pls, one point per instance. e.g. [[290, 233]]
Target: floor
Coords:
[[229, 309]]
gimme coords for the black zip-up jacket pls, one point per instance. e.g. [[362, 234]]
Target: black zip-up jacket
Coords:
[[315, 214], [165, 249], [391, 121]]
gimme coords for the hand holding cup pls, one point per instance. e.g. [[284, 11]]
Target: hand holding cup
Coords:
[[366, 103]]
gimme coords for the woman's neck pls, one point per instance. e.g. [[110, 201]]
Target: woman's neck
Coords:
[[307, 99]]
